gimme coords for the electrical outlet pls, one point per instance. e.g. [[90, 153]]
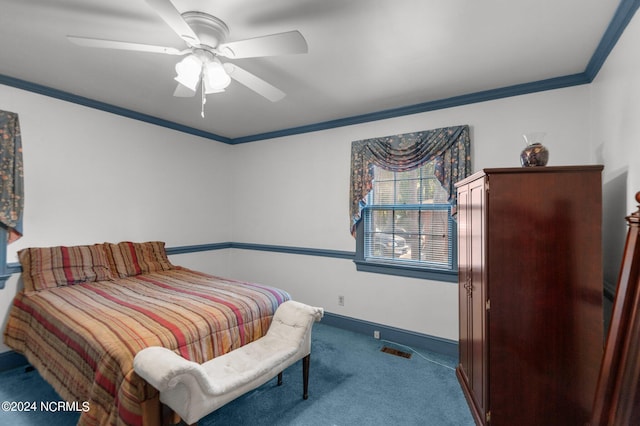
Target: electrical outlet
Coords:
[[341, 300], [376, 334]]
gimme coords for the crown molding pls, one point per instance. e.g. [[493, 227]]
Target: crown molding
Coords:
[[103, 106], [623, 15], [625, 12]]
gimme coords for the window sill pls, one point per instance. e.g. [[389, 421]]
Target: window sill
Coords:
[[406, 271]]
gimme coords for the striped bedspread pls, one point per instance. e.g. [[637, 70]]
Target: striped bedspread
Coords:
[[82, 338]]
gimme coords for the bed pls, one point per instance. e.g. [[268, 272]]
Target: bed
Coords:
[[85, 311]]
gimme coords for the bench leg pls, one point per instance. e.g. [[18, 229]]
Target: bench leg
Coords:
[[170, 418], [305, 376], [280, 378]]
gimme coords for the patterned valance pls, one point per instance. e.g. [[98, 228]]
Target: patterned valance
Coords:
[[449, 147], [11, 176]]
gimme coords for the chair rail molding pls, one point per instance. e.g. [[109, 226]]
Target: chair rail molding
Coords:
[[9, 269]]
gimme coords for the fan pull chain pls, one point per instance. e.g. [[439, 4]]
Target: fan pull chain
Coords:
[[204, 100]]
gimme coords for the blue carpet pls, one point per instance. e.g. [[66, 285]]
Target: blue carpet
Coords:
[[351, 383]]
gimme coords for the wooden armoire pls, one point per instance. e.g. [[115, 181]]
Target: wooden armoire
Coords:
[[530, 284]]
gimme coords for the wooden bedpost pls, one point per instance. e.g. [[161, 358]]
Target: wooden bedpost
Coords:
[[152, 411], [617, 398], [155, 413]]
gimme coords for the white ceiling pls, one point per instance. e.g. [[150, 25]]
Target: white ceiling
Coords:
[[365, 56]]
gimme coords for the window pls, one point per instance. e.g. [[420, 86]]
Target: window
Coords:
[[407, 228], [401, 196]]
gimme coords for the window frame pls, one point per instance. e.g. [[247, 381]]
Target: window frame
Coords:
[[400, 267], [402, 270]]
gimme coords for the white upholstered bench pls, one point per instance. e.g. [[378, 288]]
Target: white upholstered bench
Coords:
[[194, 390]]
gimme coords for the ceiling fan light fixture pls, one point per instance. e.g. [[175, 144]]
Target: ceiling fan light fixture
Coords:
[[189, 70], [215, 77]]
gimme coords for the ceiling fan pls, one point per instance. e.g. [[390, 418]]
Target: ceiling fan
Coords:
[[205, 36]]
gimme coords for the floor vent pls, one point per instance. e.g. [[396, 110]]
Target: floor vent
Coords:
[[395, 352]]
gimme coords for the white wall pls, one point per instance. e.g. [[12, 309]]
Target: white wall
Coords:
[[615, 118], [91, 177], [293, 191]]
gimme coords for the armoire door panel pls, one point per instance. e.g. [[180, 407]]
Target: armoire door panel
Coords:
[[464, 269], [478, 300]]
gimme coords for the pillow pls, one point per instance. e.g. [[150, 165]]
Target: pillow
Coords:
[[48, 267], [128, 259]]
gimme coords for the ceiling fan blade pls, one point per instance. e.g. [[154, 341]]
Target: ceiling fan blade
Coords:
[[288, 43], [124, 45], [183, 92], [173, 18], [254, 83]]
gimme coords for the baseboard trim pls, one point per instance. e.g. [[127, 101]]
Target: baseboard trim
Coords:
[[397, 335], [10, 360]]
